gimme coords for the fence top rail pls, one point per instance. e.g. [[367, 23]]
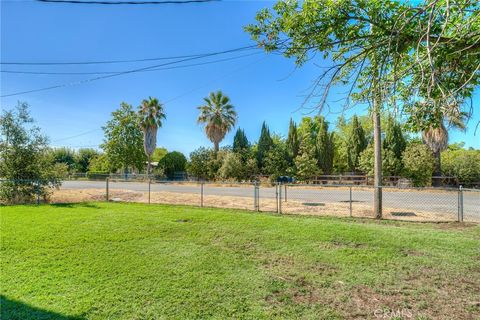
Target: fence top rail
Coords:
[[319, 186]]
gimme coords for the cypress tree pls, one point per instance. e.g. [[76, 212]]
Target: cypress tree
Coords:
[[293, 143], [356, 144], [264, 144], [325, 147], [240, 141], [394, 139]]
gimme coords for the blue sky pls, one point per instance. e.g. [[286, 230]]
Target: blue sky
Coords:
[[262, 87]]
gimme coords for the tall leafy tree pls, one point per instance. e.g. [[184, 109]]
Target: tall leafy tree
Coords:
[[151, 114], [293, 142], [240, 141], [325, 147], [123, 140], [265, 143], [219, 117], [25, 162], [356, 144], [377, 46]]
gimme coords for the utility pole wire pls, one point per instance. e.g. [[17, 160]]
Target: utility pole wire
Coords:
[[113, 72], [118, 61], [116, 74], [126, 2], [233, 72]]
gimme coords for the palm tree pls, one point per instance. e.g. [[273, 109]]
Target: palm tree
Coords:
[[218, 115], [436, 138], [151, 114]]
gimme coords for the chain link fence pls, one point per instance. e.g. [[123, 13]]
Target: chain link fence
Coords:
[[413, 204]]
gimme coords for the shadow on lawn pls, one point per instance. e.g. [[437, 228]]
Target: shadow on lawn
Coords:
[[75, 205], [16, 310]]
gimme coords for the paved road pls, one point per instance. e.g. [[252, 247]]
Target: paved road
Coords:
[[441, 202]]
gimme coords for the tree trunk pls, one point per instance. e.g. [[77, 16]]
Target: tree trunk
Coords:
[[377, 198], [216, 146], [437, 172]]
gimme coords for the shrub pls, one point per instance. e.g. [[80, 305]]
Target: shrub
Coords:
[[418, 164], [276, 161], [391, 165], [232, 167], [83, 158], [306, 166], [173, 162], [198, 166], [463, 164]]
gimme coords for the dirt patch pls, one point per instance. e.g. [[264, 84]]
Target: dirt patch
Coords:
[[340, 209], [424, 296]]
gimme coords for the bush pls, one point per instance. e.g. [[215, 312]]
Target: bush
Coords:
[[276, 162], [463, 164], [391, 165], [198, 164], [99, 164], [173, 162], [418, 164], [232, 167], [83, 158], [306, 167]]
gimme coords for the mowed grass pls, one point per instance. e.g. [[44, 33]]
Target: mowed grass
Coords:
[[135, 261]]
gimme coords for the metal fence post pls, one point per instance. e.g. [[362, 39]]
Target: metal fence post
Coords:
[[257, 185], [460, 204], [201, 194], [254, 196], [280, 198], [285, 192], [149, 188], [38, 192], [350, 201], [106, 189], [276, 195]]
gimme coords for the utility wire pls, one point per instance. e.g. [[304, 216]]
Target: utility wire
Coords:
[[77, 135], [126, 2], [167, 101], [113, 72], [116, 61], [120, 73]]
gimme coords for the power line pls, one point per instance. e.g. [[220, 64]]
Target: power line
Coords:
[[78, 135], [113, 72], [113, 61], [121, 73], [126, 2], [166, 102]]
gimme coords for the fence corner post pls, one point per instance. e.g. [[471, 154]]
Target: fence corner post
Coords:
[[460, 204], [107, 196]]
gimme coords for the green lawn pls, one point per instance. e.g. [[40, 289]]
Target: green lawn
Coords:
[[134, 261]]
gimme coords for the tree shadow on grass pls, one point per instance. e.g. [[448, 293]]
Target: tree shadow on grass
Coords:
[[16, 310], [75, 205]]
